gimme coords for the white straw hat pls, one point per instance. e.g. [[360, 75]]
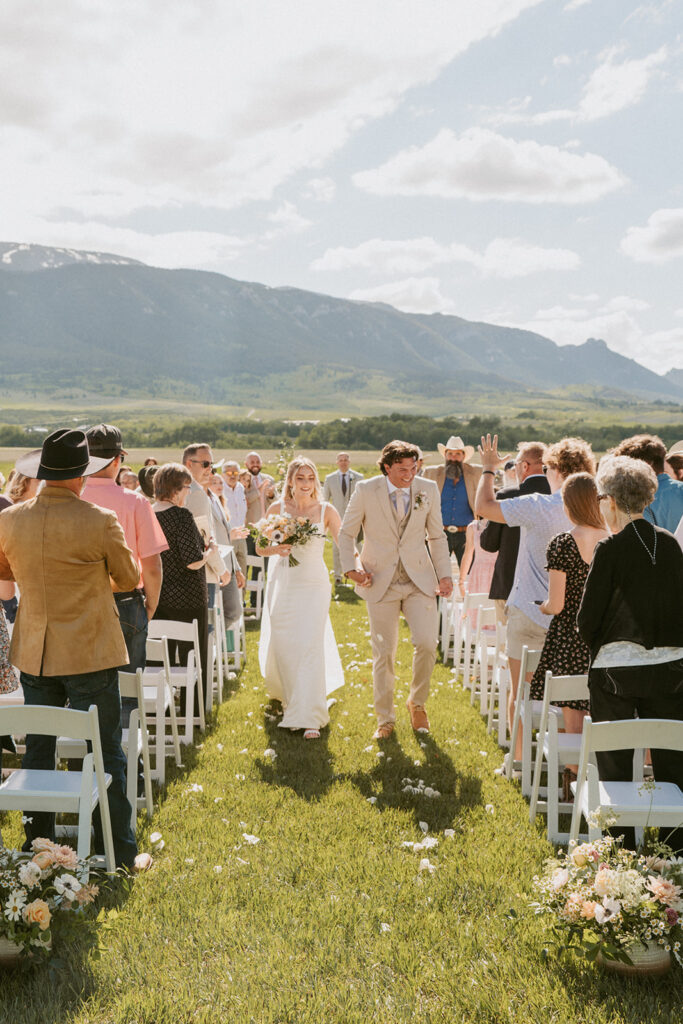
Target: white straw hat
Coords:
[[456, 444]]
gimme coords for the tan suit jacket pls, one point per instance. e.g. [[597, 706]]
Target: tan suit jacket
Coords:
[[61, 551], [332, 489], [384, 545], [470, 474]]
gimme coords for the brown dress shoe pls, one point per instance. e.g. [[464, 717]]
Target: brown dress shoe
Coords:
[[418, 717], [383, 732]]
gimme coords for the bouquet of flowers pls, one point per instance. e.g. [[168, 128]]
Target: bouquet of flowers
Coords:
[[605, 899], [281, 528], [36, 888]]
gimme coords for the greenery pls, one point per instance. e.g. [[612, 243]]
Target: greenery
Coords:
[[327, 918], [366, 433]]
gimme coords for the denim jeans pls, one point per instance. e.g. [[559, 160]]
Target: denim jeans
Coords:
[[102, 689], [133, 621]]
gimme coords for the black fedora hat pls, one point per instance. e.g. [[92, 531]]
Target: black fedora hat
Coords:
[[64, 456]]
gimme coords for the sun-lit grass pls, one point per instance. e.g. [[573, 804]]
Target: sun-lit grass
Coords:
[[328, 918]]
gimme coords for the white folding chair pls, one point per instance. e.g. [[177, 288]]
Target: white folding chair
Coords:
[[234, 658], [216, 657], [32, 789], [256, 585], [527, 713], [135, 744], [500, 687], [484, 653], [556, 750], [471, 602], [630, 803], [453, 647], [187, 677], [160, 699]]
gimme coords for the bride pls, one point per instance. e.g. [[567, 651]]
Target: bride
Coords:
[[298, 654]]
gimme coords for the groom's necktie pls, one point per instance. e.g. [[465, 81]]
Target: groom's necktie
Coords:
[[403, 507], [344, 484]]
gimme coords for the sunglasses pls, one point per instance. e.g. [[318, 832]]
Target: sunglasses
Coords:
[[204, 463]]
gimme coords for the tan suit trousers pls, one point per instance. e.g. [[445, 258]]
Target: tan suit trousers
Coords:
[[420, 612]]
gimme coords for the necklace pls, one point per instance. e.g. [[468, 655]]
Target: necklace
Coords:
[[652, 554]]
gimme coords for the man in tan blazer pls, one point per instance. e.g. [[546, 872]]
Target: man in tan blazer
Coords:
[[397, 513], [64, 553], [457, 482]]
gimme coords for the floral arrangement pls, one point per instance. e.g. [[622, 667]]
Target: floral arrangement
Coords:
[[420, 499], [36, 888], [605, 899], [281, 528]]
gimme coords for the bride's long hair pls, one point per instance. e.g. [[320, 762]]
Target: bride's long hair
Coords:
[[292, 469]]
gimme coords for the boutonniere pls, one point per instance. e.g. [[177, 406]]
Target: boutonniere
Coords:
[[421, 499]]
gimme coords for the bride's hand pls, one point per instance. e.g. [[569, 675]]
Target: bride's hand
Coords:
[[283, 549]]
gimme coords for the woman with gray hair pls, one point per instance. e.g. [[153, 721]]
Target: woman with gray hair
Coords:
[[631, 617]]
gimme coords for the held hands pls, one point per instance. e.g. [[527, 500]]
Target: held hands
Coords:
[[241, 581], [445, 587], [490, 456], [360, 577]]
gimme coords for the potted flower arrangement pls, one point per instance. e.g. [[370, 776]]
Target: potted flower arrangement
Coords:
[[35, 889], [616, 906]]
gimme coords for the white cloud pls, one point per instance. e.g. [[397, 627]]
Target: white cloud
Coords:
[[111, 108], [503, 257], [618, 327], [481, 165], [614, 86], [412, 295], [322, 190], [562, 60], [660, 240], [573, 5], [288, 219]]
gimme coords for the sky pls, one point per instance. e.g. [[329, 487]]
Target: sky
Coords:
[[511, 161]]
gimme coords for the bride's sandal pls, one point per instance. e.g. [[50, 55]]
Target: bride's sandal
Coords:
[[312, 734]]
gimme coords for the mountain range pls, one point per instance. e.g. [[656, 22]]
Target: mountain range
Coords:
[[101, 321]]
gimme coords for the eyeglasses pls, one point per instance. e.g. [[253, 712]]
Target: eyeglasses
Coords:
[[230, 472], [204, 463], [546, 468]]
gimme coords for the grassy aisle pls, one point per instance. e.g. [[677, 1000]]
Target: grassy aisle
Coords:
[[327, 917]]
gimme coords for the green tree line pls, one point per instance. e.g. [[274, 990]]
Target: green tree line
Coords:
[[366, 433]]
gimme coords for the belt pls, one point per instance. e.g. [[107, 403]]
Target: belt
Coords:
[[455, 529], [126, 595]]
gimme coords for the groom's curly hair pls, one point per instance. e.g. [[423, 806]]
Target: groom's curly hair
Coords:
[[396, 451]]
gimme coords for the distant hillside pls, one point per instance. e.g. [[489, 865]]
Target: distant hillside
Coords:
[[91, 319]]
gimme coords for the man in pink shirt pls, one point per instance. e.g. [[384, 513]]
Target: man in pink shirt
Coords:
[[144, 537]]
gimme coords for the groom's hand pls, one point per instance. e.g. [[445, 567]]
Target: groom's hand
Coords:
[[360, 577], [445, 587]]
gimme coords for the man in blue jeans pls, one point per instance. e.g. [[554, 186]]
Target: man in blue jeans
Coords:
[[65, 554]]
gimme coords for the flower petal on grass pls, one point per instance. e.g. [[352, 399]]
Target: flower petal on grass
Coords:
[[252, 840], [426, 865]]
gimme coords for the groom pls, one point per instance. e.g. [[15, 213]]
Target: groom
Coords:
[[397, 513]]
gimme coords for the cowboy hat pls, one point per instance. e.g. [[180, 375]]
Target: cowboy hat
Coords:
[[676, 449], [456, 444], [64, 456]]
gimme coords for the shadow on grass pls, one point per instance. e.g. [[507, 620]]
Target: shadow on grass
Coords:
[[385, 780], [303, 766]]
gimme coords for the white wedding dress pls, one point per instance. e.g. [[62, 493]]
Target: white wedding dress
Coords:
[[298, 654]]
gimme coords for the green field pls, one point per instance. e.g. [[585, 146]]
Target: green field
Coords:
[[327, 919]]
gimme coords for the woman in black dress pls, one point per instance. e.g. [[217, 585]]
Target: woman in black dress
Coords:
[[184, 594], [569, 557]]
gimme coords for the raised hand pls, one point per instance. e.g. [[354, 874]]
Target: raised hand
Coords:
[[489, 454]]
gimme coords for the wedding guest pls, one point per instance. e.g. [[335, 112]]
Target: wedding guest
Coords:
[[666, 507], [457, 483], [144, 537], [146, 482], [67, 642], [183, 595], [236, 505], [22, 488], [337, 490], [260, 492], [8, 677], [504, 539], [541, 517], [127, 478], [476, 568], [150, 461], [231, 598], [631, 618], [673, 464], [569, 556]]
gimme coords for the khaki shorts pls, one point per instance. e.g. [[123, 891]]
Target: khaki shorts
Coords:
[[522, 631]]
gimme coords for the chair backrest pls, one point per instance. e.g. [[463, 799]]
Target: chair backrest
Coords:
[[45, 720], [156, 650], [486, 618], [529, 662], [157, 629], [131, 685], [565, 687], [256, 561], [633, 733], [471, 601]]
